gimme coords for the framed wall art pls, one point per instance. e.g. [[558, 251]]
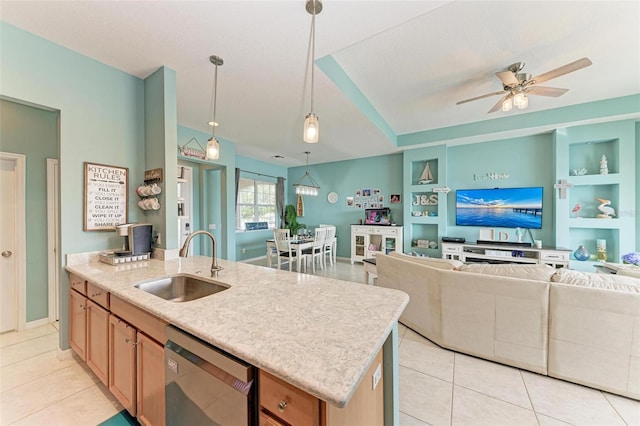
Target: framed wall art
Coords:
[[106, 202]]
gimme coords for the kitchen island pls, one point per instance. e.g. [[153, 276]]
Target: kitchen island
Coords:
[[320, 335]]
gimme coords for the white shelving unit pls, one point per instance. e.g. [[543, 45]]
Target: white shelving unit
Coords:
[[494, 253], [367, 241], [185, 205]]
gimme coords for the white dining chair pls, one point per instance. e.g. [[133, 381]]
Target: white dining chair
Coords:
[[317, 251], [284, 250], [330, 243]]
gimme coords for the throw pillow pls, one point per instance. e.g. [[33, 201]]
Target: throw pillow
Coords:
[[433, 262]]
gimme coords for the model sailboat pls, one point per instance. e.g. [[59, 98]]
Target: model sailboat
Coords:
[[426, 176]]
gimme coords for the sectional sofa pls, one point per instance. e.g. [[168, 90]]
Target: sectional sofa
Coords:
[[577, 326]]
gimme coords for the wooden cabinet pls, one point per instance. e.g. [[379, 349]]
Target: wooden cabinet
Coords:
[[283, 404], [367, 241], [136, 361], [78, 323], [121, 345], [98, 340], [150, 375], [122, 362]]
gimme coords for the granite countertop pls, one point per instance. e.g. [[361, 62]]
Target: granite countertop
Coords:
[[318, 334]]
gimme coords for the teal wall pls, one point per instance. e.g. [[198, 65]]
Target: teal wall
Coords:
[[637, 211], [101, 120], [527, 160], [253, 242], [344, 177], [32, 132]]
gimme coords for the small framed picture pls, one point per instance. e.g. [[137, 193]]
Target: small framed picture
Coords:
[[394, 198], [358, 193], [349, 201], [376, 191], [366, 192], [380, 198], [357, 205]]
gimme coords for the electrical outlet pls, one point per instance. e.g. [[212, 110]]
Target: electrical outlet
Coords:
[[244, 250], [376, 376], [159, 240], [212, 226]]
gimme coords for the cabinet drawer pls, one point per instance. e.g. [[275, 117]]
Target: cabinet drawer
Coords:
[[78, 284], [151, 325], [451, 249], [300, 408], [98, 295], [555, 255], [267, 420]]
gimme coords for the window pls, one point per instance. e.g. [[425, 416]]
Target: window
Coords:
[[256, 203]]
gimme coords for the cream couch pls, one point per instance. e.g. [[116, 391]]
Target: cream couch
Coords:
[[584, 328]]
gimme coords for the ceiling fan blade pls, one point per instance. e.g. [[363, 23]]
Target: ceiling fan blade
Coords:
[[507, 78], [498, 106], [566, 69], [546, 91], [480, 97]]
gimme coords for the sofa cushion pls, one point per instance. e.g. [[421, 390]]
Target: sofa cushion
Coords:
[[603, 281], [433, 262], [527, 272], [635, 272]]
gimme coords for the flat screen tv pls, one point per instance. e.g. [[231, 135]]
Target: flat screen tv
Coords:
[[500, 207]]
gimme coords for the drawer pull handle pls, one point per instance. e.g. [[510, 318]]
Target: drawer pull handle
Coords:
[[131, 341], [96, 294], [282, 405]]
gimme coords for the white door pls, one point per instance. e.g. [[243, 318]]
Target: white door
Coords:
[[8, 245]]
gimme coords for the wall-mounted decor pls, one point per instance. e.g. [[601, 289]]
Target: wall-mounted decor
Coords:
[[106, 190], [491, 176], [349, 201], [332, 197], [186, 151]]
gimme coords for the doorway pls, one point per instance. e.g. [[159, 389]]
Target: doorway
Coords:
[[53, 239], [12, 242]]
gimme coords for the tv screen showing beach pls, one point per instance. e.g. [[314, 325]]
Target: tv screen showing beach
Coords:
[[500, 207]]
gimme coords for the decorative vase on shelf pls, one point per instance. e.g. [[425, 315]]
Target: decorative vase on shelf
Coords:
[[601, 250], [581, 254]]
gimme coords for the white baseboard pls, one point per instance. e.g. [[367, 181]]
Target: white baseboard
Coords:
[[64, 354], [36, 323], [252, 259]]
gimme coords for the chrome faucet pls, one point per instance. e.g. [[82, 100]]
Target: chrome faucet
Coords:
[[184, 251]]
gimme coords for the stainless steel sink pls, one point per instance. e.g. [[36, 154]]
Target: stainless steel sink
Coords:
[[181, 288]]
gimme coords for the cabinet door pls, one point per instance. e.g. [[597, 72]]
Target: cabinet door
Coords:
[[122, 362], [98, 341], [150, 381], [78, 323]]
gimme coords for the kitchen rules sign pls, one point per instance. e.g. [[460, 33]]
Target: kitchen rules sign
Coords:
[[106, 190]]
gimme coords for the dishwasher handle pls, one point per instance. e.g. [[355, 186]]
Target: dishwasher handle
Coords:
[[226, 378]]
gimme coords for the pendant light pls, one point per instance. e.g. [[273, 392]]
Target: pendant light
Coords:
[[213, 146], [310, 188], [311, 123]]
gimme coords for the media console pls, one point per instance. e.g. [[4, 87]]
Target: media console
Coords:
[[498, 253]]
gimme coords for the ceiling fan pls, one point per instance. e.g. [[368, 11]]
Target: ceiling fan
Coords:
[[517, 84]]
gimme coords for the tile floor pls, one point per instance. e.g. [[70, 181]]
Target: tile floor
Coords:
[[437, 386]]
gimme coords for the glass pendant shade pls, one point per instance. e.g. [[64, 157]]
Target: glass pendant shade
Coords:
[[518, 99], [523, 103], [213, 149], [507, 105], [311, 128]]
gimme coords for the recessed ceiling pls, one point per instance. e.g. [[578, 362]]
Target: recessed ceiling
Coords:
[[411, 60]]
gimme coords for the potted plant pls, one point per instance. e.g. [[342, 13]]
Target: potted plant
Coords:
[[291, 220]]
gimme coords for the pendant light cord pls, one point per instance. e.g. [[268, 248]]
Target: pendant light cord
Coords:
[[214, 95], [313, 49]]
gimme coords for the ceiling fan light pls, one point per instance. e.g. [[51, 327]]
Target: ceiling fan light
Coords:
[[507, 104], [524, 103], [311, 128], [213, 149], [519, 99]]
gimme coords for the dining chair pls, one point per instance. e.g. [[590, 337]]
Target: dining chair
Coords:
[[284, 251], [330, 243], [317, 250]]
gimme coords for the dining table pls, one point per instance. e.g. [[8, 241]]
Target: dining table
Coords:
[[298, 245]]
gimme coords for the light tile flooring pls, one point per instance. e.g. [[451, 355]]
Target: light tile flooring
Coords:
[[437, 386]]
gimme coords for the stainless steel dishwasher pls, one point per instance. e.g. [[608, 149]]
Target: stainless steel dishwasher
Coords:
[[205, 385]]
